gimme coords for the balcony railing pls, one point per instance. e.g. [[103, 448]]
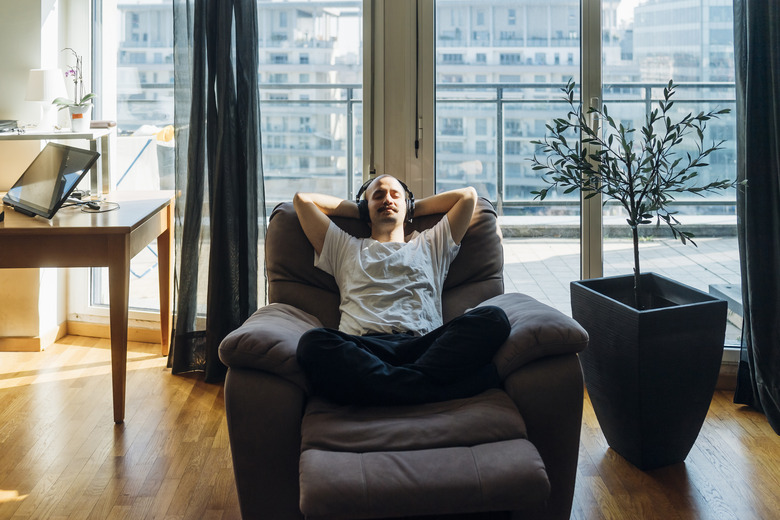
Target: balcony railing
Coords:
[[536, 97], [539, 101], [510, 115]]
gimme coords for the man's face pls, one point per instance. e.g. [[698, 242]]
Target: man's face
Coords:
[[386, 200]]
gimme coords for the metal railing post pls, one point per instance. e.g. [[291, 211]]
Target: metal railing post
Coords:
[[500, 150], [350, 146]]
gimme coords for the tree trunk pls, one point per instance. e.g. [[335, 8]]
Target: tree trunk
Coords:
[[637, 279]]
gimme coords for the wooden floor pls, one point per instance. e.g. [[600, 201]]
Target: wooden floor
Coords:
[[61, 456]]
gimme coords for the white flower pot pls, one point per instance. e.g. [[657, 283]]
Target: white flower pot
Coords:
[[80, 118]]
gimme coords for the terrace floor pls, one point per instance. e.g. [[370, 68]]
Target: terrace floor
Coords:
[[544, 267]]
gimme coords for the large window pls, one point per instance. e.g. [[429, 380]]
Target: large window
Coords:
[[311, 77], [507, 91], [494, 72], [692, 43], [496, 100], [137, 92]]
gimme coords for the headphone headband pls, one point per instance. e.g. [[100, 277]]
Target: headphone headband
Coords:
[[363, 203]]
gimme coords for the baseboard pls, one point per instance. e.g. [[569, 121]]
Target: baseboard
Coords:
[[99, 330], [33, 343], [727, 377]]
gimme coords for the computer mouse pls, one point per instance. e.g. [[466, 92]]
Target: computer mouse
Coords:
[[92, 205]]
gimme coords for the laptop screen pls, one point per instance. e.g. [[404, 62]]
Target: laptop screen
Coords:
[[48, 181]]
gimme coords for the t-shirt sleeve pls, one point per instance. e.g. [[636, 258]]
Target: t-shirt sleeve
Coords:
[[443, 247], [336, 240]]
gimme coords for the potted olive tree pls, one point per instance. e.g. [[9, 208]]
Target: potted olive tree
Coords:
[[655, 344]]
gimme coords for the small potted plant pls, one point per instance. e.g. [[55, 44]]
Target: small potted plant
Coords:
[[655, 344], [79, 107]]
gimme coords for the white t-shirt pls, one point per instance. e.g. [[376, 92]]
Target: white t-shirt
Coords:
[[389, 286]]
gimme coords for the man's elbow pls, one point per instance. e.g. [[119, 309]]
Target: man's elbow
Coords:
[[470, 193], [299, 199], [469, 196]]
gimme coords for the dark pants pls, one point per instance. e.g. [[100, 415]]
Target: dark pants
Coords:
[[451, 362]]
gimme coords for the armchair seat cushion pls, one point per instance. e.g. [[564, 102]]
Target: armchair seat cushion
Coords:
[[488, 417], [447, 457]]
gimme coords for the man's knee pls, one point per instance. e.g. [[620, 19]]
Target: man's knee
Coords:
[[312, 343], [493, 320]]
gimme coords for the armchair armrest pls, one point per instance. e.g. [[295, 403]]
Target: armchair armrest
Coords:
[[268, 341], [538, 331]]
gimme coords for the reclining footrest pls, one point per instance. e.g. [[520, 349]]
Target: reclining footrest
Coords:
[[504, 475]]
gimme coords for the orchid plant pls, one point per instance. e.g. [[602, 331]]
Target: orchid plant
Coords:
[[79, 98]]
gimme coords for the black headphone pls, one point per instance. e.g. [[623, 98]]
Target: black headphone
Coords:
[[363, 203]]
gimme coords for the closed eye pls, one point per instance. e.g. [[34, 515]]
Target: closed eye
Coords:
[[380, 194]]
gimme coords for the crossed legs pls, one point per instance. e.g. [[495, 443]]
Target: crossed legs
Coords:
[[451, 362]]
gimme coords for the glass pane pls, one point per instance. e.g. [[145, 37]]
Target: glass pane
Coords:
[[646, 44], [144, 147], [311, 72], [499, 69]]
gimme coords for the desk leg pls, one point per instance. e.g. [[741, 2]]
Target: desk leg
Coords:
[[119, 291], [165, 270]]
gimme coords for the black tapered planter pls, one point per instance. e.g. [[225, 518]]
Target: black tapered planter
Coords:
[[651, 373]]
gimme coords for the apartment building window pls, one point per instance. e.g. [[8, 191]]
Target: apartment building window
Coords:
[[452, 126], [510, 58], [279, 58], [452, 58], [513, 148], [513, 128]]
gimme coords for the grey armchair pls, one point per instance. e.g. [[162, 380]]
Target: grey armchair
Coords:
[[506, 453]]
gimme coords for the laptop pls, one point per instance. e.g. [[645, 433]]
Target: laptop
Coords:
[[46, 184]]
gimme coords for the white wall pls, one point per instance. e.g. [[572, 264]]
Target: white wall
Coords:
[[32, 34], [20, 51]]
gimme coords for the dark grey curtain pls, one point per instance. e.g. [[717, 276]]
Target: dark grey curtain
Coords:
[[220, 213], [757, 59]]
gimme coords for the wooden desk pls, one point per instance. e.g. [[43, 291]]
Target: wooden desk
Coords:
[[74, 238]]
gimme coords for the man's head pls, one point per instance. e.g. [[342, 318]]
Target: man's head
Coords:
[[386, 200]]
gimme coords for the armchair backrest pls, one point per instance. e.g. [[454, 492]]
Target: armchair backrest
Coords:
[[474, 276]]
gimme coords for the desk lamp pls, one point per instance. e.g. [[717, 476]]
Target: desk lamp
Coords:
[[43, 86]]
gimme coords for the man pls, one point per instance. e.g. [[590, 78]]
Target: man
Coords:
[[391, 346]]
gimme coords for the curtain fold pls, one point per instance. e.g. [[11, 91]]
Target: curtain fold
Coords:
[[220, 207], [757, 60]]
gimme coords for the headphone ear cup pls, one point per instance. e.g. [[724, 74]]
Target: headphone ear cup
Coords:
[[363, 210], [409, 209]]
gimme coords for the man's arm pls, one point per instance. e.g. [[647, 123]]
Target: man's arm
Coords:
[[314, 210], [457, 204]]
